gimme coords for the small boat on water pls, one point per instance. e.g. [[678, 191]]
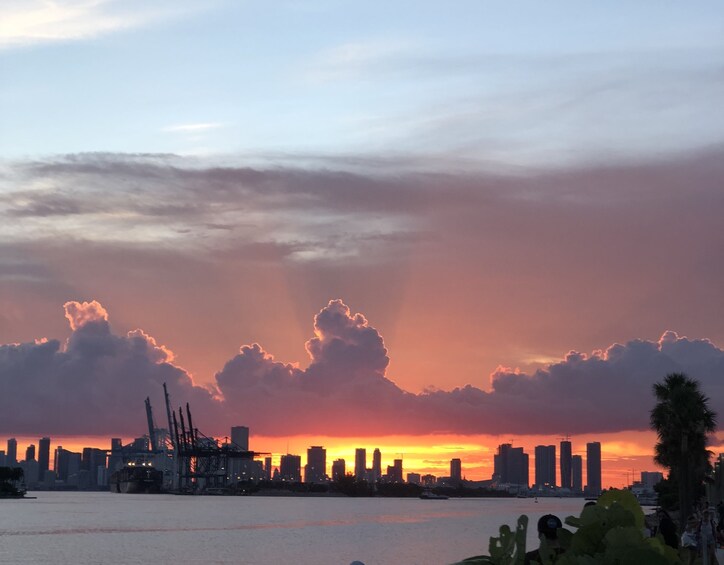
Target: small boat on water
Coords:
[[429, 495]]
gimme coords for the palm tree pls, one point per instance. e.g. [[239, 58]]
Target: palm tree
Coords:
[[682, 419]]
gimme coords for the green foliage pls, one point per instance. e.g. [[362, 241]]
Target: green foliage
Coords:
[[506, 549], [682, 420], [609, 533]]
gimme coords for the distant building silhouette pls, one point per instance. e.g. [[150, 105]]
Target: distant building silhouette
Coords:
[[268, 468], [593, 468], [377, 464], [290, 468], [394, 472], [566, 478], [315, 471], [240, 437], [43, 457], [11, 457], [545, 465], [338, 469], [360, 463], [30, 453], [510, 465], [414, 478], [577, 473], [456, 471]]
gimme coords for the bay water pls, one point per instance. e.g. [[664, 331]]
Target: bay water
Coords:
[[99, 528]]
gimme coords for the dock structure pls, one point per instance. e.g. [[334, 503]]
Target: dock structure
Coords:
[[201, 464]]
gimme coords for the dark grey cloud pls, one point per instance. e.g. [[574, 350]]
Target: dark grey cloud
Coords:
[[96, 382], [92, 384]]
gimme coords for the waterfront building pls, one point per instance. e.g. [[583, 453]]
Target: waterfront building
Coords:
[[414, 478], [428, 480], [577, 474], [338, 469], [11, 456], [649, 479], [115, 461], [456, 471], [394, 472], [268, 468], [377, 464], [240, 437], [360, 463], [43, 457], [3, 458], [290, 468], [593, 468], [545, 466], [91, 459], [566, 478], [66, 464], [510, 465], [30, 453], [315, 471]]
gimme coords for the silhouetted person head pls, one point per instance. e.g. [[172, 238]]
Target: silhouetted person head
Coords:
[[548, 526]]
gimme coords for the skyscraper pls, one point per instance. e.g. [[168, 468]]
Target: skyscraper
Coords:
[[43, 457], [360, 463], [290, 468], [456, 471], [240, 437], [545, 465], [566, 464], [593, 468], [338, 469], [11, 457], [511, 465], [377, 464], [315, 471], [30, 453], [577, 472]]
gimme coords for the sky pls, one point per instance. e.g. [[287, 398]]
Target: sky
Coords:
[[404, 224]]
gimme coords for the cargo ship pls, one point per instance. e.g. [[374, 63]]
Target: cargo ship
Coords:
[[137, 479]]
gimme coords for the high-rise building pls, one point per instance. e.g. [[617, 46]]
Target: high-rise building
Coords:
[[577, 473], [290, 468], [566, 464], [649, 479], [11, 457], [456, 471], [510, 465], [377, 464], [338, 469], [91, 460], [593, 468], [545, 465], [240, 437], [414, 478], [43, 457], [268, 468], [115, 461], [360, 463], [394, 472], [315, 471], [66, 463], [30, 453]]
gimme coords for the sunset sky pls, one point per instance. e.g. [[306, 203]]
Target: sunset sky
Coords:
[[431, 227]]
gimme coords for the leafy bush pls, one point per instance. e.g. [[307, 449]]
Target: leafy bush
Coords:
[[611, 532]]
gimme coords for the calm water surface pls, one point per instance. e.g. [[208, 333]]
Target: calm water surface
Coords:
[[90, 528]]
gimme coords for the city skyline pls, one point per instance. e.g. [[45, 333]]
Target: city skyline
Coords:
[[308, 470], [423, 227]]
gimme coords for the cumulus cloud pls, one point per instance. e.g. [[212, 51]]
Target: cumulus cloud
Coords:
[[96, 382]]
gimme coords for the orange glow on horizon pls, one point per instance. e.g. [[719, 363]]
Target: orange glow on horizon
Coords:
[[624, 454]]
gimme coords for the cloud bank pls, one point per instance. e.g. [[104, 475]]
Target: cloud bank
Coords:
[[96, 381]]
